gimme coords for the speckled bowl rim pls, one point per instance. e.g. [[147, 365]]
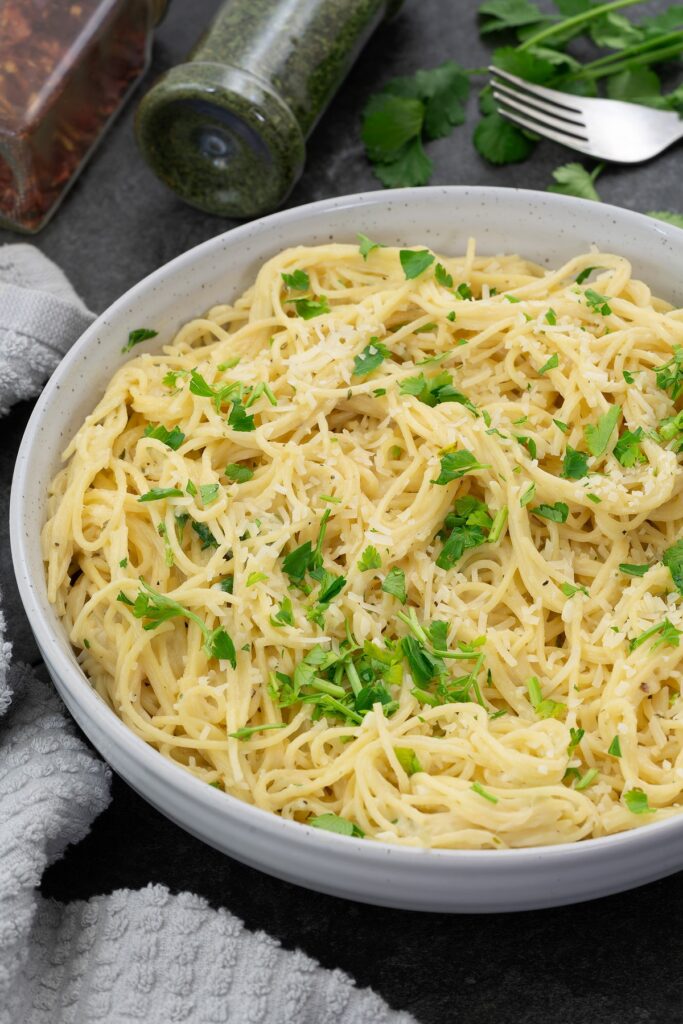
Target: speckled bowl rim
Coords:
[[214, 802]]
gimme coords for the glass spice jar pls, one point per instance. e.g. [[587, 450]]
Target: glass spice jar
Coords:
[[66, 67], [227, 129]]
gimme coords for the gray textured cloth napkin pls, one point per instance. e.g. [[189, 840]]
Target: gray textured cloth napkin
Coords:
[[130, 956]]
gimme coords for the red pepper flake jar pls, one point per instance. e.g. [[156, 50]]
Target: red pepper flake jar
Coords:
[[66, 68]]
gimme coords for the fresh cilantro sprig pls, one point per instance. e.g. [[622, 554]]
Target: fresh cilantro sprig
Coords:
[[155, 608]]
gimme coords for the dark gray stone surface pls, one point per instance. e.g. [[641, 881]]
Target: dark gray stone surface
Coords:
[[610, 961]]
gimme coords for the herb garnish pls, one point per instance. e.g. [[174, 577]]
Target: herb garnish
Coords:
[[627, 450], [598, 435], [171, 438], [298, 281], [673, 560], [334, 823], [637, 802], [633, 570], [455, 465], [575, 464], [394, 583], [138, 336], [415, 262], [307, 309], [159, 493], [238, 474], [556, 513], [372, 356], [435, 390], [370, 559], [156, 608], [665, 631]]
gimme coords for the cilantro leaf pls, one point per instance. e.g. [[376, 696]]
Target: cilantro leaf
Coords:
[[633, 570], [574, 180], [597, 302], [501, 142], [552, 363], [637, 802], [635, 84], [503, 15], [394, 583], [477, 788], [307, 309], [335, 823], [285, 614], [219, 645], [238, 474], [615, 747], [669, 375], [556, 513], [443, 91], [527, 496], [435, 390], [239, 420], [598, 435], [673, 560], [585, 274], [389, 122], [370, 559], [366, 245], [372, 356], [575, 465], [415, 262], [408, 760], [296, 563], [442, 276], [627, 449], [159, 493], [247, 731], [171, 438], [455, 465], [138, 336], [204, 533], [569, 589], [665, 632], [209, 493], [411, 166], [298, 281]]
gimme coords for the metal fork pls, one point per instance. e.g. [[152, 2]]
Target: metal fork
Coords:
[[624, 133]]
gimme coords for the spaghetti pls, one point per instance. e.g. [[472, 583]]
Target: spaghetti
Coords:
[[390, 546]]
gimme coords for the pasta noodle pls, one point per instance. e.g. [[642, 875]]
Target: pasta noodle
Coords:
[[390, 494]]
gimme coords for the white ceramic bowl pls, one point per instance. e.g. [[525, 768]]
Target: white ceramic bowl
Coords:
[[546, 228]]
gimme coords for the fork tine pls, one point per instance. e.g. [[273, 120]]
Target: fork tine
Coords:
[[548, 133], [532, 102], [552, 96], [540, 119]]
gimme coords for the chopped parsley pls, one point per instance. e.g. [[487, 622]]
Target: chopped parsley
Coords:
[[479, 789], [575, 737], [598, 435], [238, 474], [171, 438], [370, 559], [247, 731], [372, 356], [455, 465], [637, 802], [586, 780], [598, 303], [556, 513], [615, 747], [627, 449], [285, 613], [306, 558], [394, 583], [408, 760], [544, 708], [299, 281], [468, 526], [435, 390], [204, 533], [669, 375], [335, 823], [551, 318], [209, 493], [124, 563], [527, 496], [366, 245], [307, 309], [585, 274], [155, 608], [256, 577], [575, 464], [551, 364], [442, 276], [415, 262], [160, 493], [569, 589], [673, 560], [562, 426], [528, 443], [239, 420], [137, 336], [633, 570], [665, 632]]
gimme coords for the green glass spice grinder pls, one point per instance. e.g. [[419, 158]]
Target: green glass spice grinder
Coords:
[[227, 129]]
